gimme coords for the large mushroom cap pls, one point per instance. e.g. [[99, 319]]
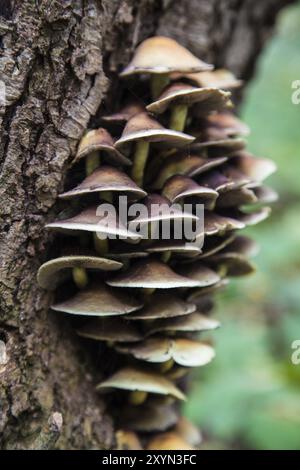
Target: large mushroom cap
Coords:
[[99, 300], [168, 441], [183, 351], [99, 140], [163, 305], [105, 178], [161, 54], [94, 219], [57, 270], [143, 381], [110, 329], [152, 274], [182, 93], [142, 127]]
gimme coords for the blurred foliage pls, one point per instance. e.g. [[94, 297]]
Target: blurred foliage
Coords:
[[250, 396]]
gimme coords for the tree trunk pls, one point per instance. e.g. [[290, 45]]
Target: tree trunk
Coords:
[[59, 61]]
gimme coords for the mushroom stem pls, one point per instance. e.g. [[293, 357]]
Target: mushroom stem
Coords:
[[101, 246], [80, 277], [139, 161], [178, 117], [166, 366], [92, 162], [137, 397], [158, 83]]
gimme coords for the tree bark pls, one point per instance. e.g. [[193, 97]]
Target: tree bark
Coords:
[[59, 61]]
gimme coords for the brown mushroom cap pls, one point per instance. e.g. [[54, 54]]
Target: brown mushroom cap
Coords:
[[179, 187], [161, 54], [185, 352], [110, 329], [125, 113], [214, 244], [237, 197], [133, 379], [227, 123], [215, 224], [168, 441], [225, 146], [185, 165], [176, 247], [88, 220], [192, 323], [99, 300], [264, 194], [220, 78], [226, 180], [105, 178], [127, 440], [163, 305], [151, 274], [100, 140], [253, 217], [200, 273], [188, 431], [150, 417], [57, 270], [196, 295], [181, 93], [142, 127], [234, 264], [257, 169]]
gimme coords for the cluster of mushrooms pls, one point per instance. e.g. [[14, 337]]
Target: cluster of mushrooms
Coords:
[[146, 301]]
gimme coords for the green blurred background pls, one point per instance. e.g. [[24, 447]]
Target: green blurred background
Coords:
[[249, 397]]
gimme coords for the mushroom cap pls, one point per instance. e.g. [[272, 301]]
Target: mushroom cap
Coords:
[[182, 93], [99, 140], [110, 329], [127, 440], [143, 127], [150, 417], [163, 305], [192, 323], [159, 209], [197, 295], [168, 441], [237, 197], [100, 301], [105, 178], [234, 263], [185, 165], [134, 379], [179, 187], [188, 431], [57, 270], [227, 123], [151, 274], [243, 245], [200, 273], [176, 247], [257, 169], [265, 195], [88, 220], [125, 113], [161, 54], [220, 78], [228, 179], [225, 146], [214, 244], [252, 218], [215, 224], [185, 352]]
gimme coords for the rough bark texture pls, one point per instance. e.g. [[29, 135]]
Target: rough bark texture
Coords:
[[59, 61]]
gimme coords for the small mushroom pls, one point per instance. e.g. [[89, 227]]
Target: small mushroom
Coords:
[[141, 129], [214, 244], [197, 295], [264, 194], [252, 218], [180, 96], [105, 179], [232, 264], [218, 147], [200, 273], [127, 440], [215, 224], [160, 56], [137, 380], [177, 188], [220, 78], [188, 431], [100, 301], [94, 142], [195, 322], [151, 274], [182, 351], [150, 417], [168, 441], [185, 165], [227, 179], [57, 270], [225, 124], [111, 330], [257, 169], [163, 305], [237, 197]]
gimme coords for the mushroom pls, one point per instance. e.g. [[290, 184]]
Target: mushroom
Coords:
[[197, 295], [94, 142], [186, 165], [100, 301], [140, 383], [177, 247], [141, 129], [178, 188], [111, 330], [102, 220], [225, 124], [57, 270], [168, 441], [230, 263], [264, 194], [127, 440], [199, 273], [182, 351], [160, 56], [215, 224], [227, 179], [214, 244], [151, 274], [192, 323], [105, 179], [188, 431], [237, 197], [220, 78], [150, 417], [125, 113], [163, 305], [180, 96], [257, 169]]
